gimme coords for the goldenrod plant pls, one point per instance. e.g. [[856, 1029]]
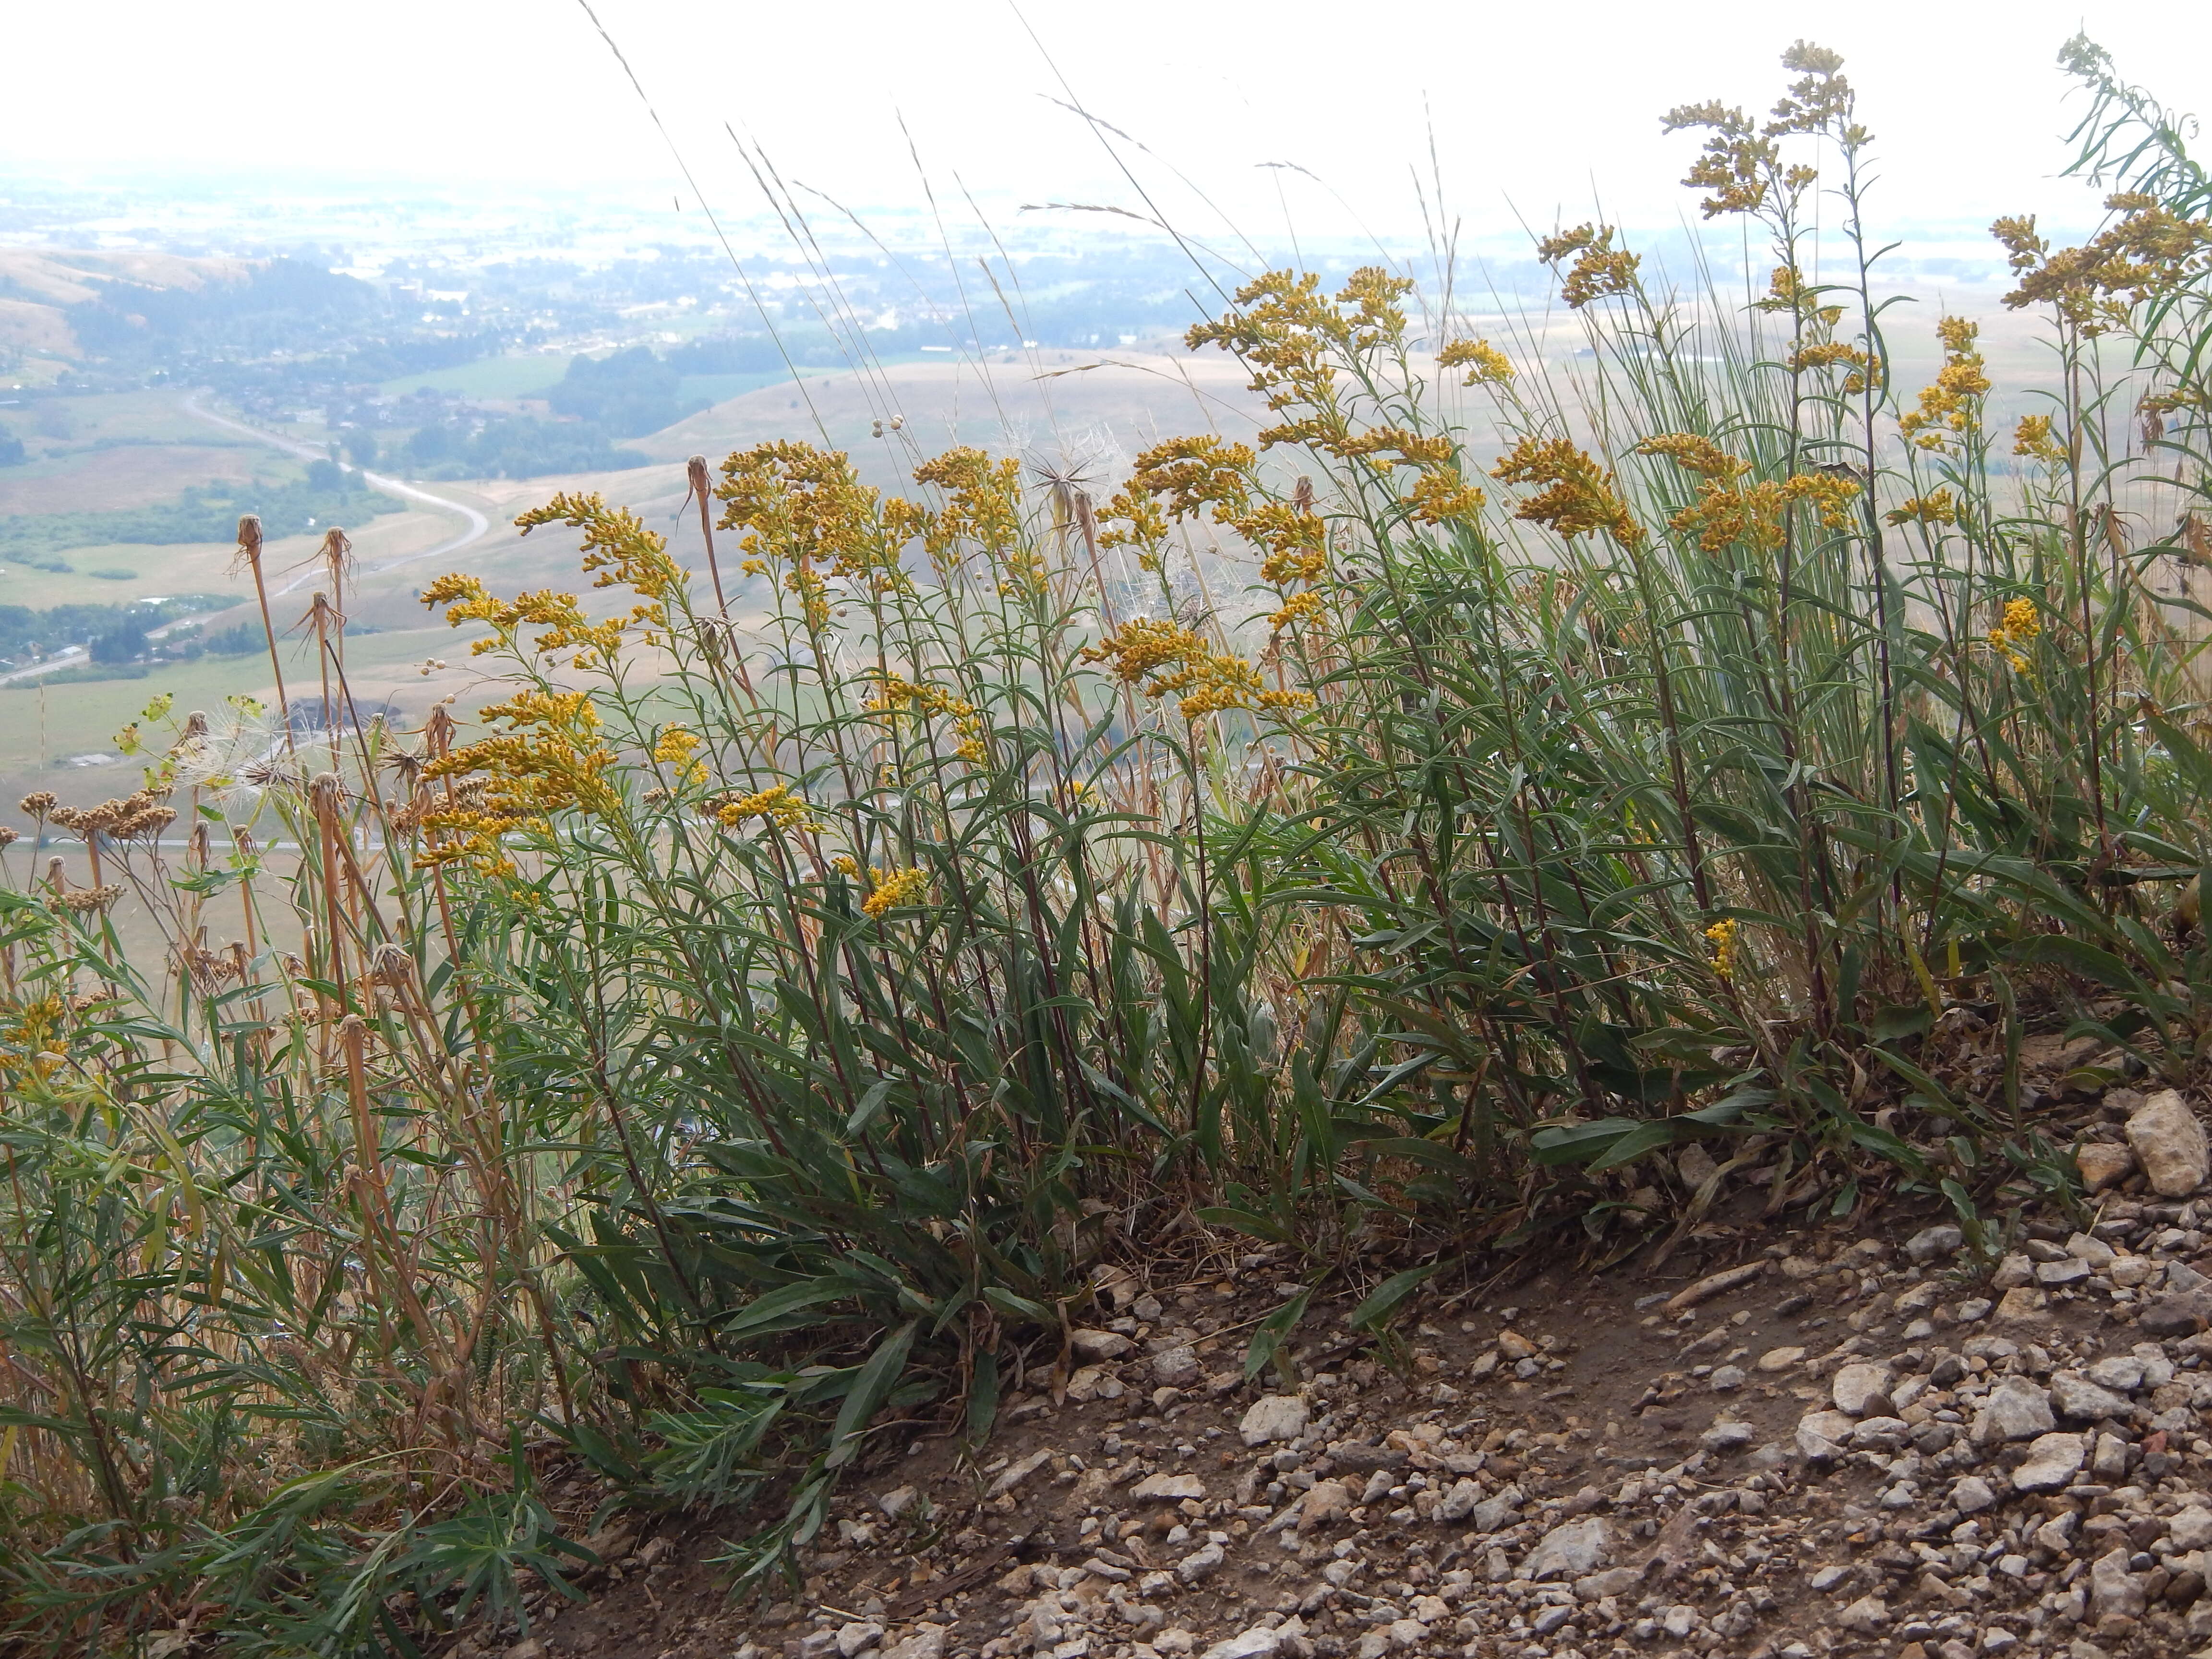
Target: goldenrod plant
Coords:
[[761, 1029]]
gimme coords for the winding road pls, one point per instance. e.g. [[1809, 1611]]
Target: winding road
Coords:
[[478, 526]]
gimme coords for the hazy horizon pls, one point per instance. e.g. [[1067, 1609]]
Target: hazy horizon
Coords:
[[1227, 127]]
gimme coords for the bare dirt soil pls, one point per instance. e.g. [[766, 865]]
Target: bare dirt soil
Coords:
[[1787, 1442]]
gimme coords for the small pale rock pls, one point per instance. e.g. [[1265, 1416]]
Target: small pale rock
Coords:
[[1326, 1500], [2013, 1271], [2016, 1410], [1780, 1359], [1172, 1487], [2052, 1460], [1881, 1434], [1459, 1503], [897, 1501], [2123, 1373], [1726, 1436], [1175, 1367], [858, 1636], [1726, 1379], [2023, 1304], [1867, 1615], [1199, 1562], [1934, 1244], [1514, 1346], [2077, 1397], [2103, 1164], [1015, 1474], [1858, 1385], [926, 1643], [1099, 1345], [2192, 1529], [2094, 1251], [1972, 1494], [1614, 1581], [2053, 1275], [1256, 1642], [1493, 1513], [1821, 1435], [2113, 1588], [1274, 1417], [1407, 1634], [1570, 1551], [2169, 1143], [1094, 1383]]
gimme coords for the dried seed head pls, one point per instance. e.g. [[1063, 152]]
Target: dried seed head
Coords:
[[7, 836], [249, 543], [38, 804], [390, 964]]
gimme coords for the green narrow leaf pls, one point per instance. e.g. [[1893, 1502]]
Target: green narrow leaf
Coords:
[[1386, 1297], [984, 1397], [870, 1389], [1274, 1330]]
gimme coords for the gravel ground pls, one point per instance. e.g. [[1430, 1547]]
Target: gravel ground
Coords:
[[1820, 1442]]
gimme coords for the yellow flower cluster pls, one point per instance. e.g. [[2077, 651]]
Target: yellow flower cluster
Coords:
[[895, 695], [1936, 507], [1722, 936], [2151, 252], [1485, 363], [675, 748], [1826, 354], [1285, 332], [1304, 608], [1579, 496], [568, 628], [778, 807], [550, 759], [1600, 269], [1442, 495], [1695, 452], [893, 888], [982, 505], [1171, 658], [620, 549], [1740, 163], [30, 1033], [2033, 438], [804, 511], [1729, 511], [2020, 623], [1951, 409]]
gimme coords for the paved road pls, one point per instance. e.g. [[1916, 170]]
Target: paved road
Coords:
[[478, 526]]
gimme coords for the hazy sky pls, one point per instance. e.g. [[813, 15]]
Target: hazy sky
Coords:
[[1534, 107]]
